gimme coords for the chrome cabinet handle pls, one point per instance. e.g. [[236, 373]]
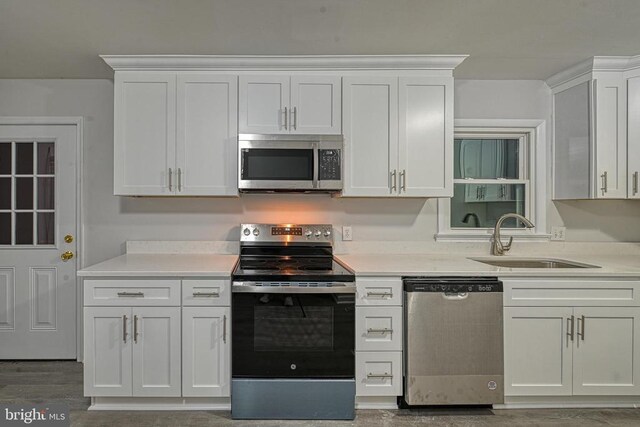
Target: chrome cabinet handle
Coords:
[[604, 182], [385, 375], [380, 294], [477, 193], [570, 320], [124, 328], [379, 331], [206, 294], [294, 118], [285, 117], [394, 186], [403, 180], [179, 179], [135, 328], [580, 332], [224, 328], [635, 183], [170, 179], [130, 294]]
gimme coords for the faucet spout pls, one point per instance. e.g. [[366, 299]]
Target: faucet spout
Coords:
[[499, 248]]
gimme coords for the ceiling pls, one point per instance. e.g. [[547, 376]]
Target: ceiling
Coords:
[[506, 39]]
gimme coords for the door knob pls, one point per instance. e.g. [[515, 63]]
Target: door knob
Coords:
[[66, 256]]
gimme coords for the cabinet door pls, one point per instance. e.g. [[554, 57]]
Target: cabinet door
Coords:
[[262, 104], [370, 122], [426, 137], [606, 360], [207, 132], [107, 351], [537, 351], [316, 105], [610, 99], [144, 133], [206, 351], [633, 135], [156, 351]]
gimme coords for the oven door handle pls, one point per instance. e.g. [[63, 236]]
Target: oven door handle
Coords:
[[244, 287]]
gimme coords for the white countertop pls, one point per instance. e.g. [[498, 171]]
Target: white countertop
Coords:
[[191, 264], [461, 265]]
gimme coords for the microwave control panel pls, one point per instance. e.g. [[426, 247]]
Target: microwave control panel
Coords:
[[329, 165]]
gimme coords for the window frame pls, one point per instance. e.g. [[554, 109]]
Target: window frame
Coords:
[[534, 158]]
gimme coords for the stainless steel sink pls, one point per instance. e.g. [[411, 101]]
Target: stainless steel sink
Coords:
[[532, 263]]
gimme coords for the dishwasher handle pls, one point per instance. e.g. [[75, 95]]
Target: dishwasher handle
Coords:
[[455, 296]]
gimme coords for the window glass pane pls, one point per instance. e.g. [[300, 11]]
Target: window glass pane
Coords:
[[24, 228], [5, 228], [5, 158], [486, 158], [45, 193], [480, 205], [46, 226], [46, 158], [24, 193], [5, 193], [24, 158]]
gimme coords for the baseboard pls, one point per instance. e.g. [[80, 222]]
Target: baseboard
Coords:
[[160, 404], [559, 402], [376, 402]]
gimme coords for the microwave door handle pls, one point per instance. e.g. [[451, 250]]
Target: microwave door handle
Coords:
[[316, 154]]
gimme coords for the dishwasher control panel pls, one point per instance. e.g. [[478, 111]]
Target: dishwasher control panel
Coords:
[[460, 285]]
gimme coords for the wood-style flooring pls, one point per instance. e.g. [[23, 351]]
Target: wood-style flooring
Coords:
[[61, 382]]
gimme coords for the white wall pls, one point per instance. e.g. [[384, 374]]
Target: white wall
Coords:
[[110, 220]]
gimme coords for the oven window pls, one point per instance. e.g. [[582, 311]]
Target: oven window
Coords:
[[292, 326], [277, 164]]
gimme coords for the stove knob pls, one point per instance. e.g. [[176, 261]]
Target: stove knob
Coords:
[[256, 232], [246, 231], [318, 233], [308, 234], [327, 233]]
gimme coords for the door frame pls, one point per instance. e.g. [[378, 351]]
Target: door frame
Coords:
[[78, 122]]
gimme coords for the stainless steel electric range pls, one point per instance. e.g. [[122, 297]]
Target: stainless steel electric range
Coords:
[[293, 326]]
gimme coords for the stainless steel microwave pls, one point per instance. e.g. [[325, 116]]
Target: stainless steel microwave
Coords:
[[290, 163]]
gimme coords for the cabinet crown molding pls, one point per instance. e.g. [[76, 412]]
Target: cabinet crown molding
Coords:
[[280, 62], [594, 65]]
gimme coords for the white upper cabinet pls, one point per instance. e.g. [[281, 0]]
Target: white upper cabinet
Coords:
[[175, 134], [633, 135], [144, 133], [398, 136], [596, 134], [275, 104]]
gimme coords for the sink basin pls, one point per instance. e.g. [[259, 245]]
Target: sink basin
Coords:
[[532, 263]]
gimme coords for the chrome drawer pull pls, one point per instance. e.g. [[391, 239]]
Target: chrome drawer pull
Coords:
[[130, 294], [385, 375], [380, 294], [206, 294], [379, 331]]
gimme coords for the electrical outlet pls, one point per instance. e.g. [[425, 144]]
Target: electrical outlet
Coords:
[[557, 233], [347, 233]]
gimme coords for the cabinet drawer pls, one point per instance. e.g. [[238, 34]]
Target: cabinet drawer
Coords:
[[571, 292], [379, 291], [379, 328], [206, 292], [128, 292], [378, 373]]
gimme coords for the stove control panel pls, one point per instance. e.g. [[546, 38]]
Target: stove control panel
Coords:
[[286, 233]]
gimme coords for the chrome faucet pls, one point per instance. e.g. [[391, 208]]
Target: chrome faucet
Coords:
[[497, 247]]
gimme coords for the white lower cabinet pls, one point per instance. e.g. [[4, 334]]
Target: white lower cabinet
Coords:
[[132, 351], [572, 351], [378, 373], [379, 328], [206, 351]]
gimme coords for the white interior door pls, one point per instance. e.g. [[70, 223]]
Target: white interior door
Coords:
[[37, 212]]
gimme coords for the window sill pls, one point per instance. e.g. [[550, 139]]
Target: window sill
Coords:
[[482, 236]]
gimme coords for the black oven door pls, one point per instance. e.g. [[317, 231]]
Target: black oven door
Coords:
[[296, 335], [277, 167]]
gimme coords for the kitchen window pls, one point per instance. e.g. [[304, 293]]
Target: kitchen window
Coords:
[[494, 174]]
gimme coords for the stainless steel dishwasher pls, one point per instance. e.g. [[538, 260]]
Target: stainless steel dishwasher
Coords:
[[453, 341]]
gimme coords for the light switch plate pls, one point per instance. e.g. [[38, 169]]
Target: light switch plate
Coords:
[[347, 233], [557, 233]]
